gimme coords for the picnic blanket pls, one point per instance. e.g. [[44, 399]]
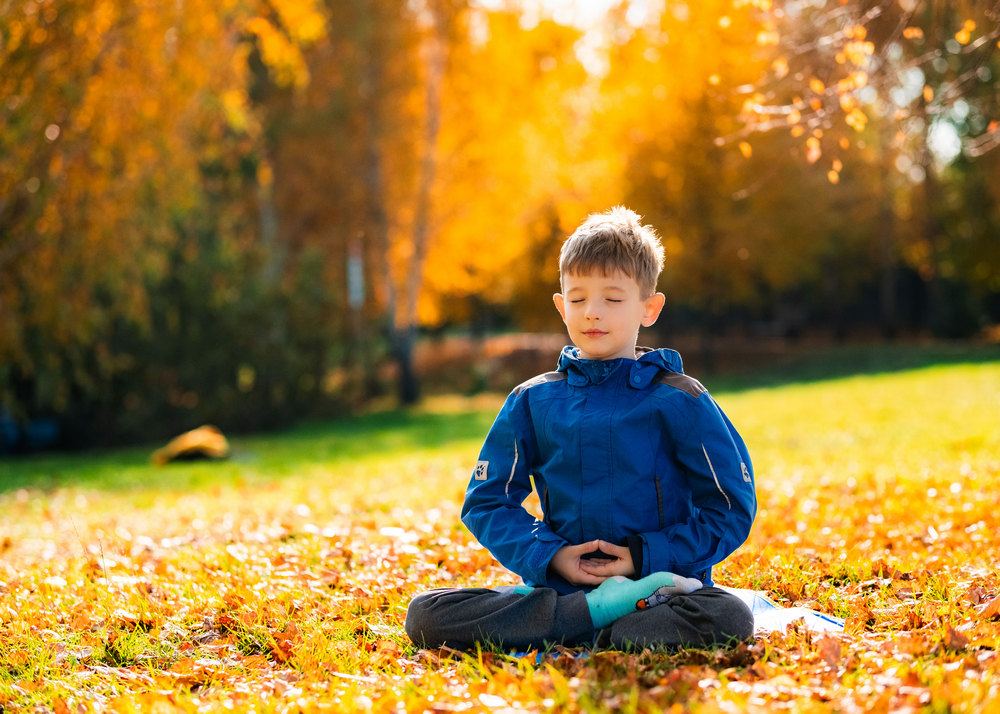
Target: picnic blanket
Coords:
[[769, 616]]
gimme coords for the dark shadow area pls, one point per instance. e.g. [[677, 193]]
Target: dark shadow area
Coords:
[[802, 364]]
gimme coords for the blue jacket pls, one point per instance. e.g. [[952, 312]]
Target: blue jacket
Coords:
[[628, 451]]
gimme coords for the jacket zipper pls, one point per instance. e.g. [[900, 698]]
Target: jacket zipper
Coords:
[[659, 501]]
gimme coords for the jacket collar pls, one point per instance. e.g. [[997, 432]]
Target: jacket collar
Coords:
[[642, 371]]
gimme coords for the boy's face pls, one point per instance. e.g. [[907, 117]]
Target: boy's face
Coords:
[[603, 313]]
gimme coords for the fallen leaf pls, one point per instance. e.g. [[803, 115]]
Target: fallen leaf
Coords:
[[990, 609], [831, 651], [954, 640]]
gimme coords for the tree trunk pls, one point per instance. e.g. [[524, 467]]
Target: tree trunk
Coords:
[[409, 387], [888, 309]]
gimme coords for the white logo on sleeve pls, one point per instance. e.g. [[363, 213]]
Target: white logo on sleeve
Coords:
[[746, 472], [482, 467]]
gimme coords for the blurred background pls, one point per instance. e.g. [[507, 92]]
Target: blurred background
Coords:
[[249, 212]]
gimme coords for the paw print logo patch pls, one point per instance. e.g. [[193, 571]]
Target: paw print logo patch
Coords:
[[482, 467], [746, 472]]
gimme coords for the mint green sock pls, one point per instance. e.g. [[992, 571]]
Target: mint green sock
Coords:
[[619, 596]]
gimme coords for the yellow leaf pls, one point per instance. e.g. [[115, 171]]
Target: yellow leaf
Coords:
[[928, 93], [746, 149], [833, 177], [912, 33], [817, 85], [857, 119], [780, 67], [813, 150]]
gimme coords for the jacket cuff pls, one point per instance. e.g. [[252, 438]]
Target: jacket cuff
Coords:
[[635, 548]]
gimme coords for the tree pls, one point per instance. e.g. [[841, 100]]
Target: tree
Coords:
[[916, 80], [108, 124]]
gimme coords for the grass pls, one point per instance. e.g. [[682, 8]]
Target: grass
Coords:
[[278, 580]]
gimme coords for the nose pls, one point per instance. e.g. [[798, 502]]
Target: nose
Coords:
[[592, 310]]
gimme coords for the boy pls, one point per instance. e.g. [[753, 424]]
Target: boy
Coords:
[[644, 482]]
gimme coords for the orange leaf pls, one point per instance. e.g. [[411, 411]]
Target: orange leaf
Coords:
[[954, 640], [990, 609], [857, 119], [831, 651], [746, 149], [813, 150]]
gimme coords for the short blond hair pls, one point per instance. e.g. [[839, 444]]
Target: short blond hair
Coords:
[[615, 240]]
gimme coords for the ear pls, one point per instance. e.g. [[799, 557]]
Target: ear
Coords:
[[560, 302], [653, 305]]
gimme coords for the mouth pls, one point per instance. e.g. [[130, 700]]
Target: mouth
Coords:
[[595, 333]]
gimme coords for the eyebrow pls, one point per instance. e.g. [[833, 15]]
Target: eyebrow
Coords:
[[608, 288]]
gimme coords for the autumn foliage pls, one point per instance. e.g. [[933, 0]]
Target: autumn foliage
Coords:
[[244, 212]]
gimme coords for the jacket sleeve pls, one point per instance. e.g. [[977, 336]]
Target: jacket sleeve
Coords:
[[499, 485], [716, 465]]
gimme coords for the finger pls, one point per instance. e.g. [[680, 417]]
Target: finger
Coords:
[[583, 578], [612, 549], [578, 550], [607, 568]]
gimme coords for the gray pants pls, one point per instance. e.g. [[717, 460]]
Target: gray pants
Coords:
[[464, 618]]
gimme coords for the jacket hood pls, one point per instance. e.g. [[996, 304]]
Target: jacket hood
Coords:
[[642, 370]]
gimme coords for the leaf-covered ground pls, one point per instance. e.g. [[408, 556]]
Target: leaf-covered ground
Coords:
[[278, 581]]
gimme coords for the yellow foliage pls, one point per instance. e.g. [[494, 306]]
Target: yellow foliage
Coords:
[[856, 119], [813, 150], [280, 54], [303, 20]]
